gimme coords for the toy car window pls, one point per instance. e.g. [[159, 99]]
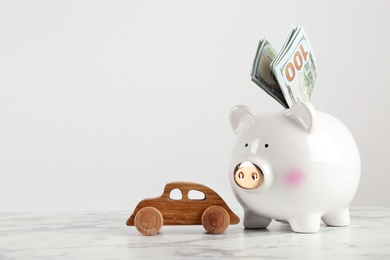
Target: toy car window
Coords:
[[196, 195], [175, 194]]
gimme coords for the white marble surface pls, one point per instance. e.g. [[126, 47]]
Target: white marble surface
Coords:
[[103, 235]]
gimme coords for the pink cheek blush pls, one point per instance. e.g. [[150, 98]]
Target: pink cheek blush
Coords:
[[294, 177]]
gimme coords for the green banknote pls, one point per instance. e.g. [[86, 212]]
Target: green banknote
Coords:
[[262, 74], [295, 68]]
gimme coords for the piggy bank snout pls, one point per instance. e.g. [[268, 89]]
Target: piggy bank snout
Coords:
[[248, 176]]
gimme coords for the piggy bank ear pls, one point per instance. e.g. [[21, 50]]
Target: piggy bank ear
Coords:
[[241, 117], [304, 114]]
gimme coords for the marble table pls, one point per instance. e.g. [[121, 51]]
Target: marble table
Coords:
[[103, 235]]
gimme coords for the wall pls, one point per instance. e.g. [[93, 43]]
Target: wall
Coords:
[[103, 102]]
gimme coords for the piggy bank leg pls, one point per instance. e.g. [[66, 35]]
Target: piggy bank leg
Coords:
[[337, 218], [306, 224], [252, 220]]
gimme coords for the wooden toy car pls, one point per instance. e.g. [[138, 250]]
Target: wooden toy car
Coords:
[[210, 210]]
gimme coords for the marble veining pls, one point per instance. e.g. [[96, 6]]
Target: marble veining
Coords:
[[104, 235]]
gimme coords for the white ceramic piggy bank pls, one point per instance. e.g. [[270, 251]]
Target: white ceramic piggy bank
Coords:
[[297, 166]]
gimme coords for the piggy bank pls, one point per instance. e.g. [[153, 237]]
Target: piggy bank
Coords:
[[297, 166]]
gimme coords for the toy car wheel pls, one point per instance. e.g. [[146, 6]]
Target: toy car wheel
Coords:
[[215, 220], [148, 221]]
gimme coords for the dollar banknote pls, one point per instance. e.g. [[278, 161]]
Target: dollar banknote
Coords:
[[288, 39], [262, 74], [295, 68]]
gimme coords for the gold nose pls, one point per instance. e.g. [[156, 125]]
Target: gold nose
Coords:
[[248, 176]]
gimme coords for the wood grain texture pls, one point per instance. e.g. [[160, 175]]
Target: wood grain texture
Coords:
[[185, 211], [215, 220], [148, 221]]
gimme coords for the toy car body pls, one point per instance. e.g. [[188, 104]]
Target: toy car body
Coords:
[[210, 211]]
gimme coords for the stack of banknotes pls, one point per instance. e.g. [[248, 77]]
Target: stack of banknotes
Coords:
[[288, 76]]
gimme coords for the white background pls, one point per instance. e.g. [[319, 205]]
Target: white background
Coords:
[[104, 102]]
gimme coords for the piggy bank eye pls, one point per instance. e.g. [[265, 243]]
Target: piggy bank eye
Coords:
[[266, 145], [246, 145]]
